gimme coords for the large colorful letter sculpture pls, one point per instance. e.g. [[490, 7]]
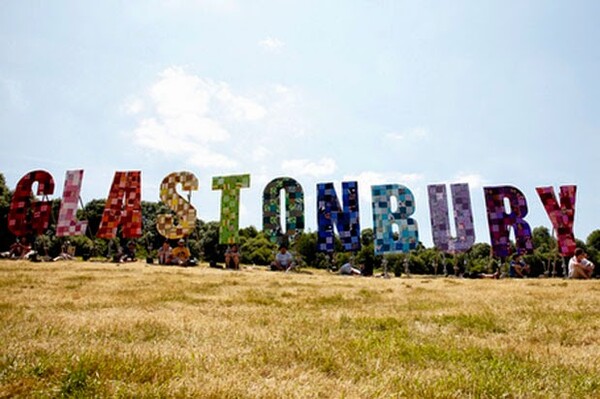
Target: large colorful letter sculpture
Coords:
[[18, 222], [561, 216], [500, 222], [128, 214], [184, 211], [384, 217], [440, 220], [294, 208], [330, 212], [230, 205], [67, 224]]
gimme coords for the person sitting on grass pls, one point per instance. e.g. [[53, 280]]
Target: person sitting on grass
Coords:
[[165, 254], [66, 252], [20, 250], [518, 268], [284, 261], [232, 257], [181, 255], [15, 251], [129, 253], [579, 266], [348, 269]]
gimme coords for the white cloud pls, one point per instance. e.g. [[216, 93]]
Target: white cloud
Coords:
[[368, 178], [260, 153], [415, 134], [271, 44], [185, 116], [305, 167], [475, 180], [286, 113], [133, 106], [238, 106], [207, 123]]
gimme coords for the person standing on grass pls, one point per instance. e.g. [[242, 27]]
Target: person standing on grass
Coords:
[[579, 266]]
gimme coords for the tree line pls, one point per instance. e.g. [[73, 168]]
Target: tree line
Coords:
[[257, 249]]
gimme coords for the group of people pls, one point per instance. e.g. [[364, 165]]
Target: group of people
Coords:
[[579, 266], [20, 249], [178, 256]]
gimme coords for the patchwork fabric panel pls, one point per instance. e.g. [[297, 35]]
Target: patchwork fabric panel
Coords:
[[330, 213], [440, 219], [184, 211], [67, 224], [561, 215], [18, 221], [294, 209], [123, 207], [230, 205], [500, 222], [386, 241]]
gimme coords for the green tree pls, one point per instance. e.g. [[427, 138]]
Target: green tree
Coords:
[[92, 212], [258, 250], [306, 247], [6, 238], [593, 240], [593, 248], [208, 237], [248, 232]]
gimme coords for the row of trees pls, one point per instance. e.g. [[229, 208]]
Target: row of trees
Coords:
[[257, 249]]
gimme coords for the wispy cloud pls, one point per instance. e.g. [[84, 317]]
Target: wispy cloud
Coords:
[[132, 106], [368, 178], [305, 167], [212, 124], [271, 44], [474, 180], [260, 153], [184, 115], [416, 133]]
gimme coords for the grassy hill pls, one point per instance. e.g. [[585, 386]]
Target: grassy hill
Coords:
[[75, 329]]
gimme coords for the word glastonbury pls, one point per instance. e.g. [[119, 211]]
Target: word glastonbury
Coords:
[[394, 229]]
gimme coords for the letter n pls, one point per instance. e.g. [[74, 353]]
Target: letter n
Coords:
[[330, 213]]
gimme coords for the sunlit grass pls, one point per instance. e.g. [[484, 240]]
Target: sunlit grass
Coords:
[[99, 330]]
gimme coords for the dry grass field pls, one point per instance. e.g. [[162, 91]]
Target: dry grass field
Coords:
[[74, 329]]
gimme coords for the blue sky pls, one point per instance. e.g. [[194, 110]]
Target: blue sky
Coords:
[[407, 92]]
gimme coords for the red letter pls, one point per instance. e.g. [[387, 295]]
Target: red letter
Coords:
[[18, 222], [561, 216], [128, 185]]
